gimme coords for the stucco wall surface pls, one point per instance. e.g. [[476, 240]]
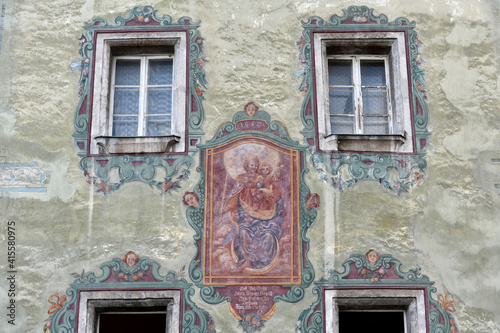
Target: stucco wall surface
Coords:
[[449, 225]]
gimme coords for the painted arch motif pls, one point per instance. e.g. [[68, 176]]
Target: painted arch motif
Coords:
[[379, 272], [130, 273]]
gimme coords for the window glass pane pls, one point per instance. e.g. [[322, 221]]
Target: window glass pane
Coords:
[[375, 125], [126, 101], [128, 72], [160, 71], [158, 125], [160, 100], [374, 101], [340, 72], [125, 126], [341, 100], [342, 124], [372, 73]]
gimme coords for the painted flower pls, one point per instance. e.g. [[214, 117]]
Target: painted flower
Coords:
[[198, 41], [381, 271], [248, 318], [254, 321], [312, 200], [140, 274], [418, 59], [211, 327], [198, 91], [374, 279], [87, 60], [363, 272], [167, 186], [120, 275], [85, 71], [140, 18], [417, 41], [201, 62], [134, 277], [146, 19]]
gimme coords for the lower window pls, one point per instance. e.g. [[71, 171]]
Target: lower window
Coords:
[[375, 310], [124, 311], [373, 321]]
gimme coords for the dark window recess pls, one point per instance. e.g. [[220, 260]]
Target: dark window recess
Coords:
[[132, 322], [373, 322]]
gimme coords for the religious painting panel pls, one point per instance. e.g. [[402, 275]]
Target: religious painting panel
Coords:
[[251, 211]]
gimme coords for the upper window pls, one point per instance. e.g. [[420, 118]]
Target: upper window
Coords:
[[363, 79], [139, 93], [141, 96], [362, 91]]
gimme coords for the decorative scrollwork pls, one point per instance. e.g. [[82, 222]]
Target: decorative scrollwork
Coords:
[[142, 168], [367, 166], [374, 270], [146, 272]]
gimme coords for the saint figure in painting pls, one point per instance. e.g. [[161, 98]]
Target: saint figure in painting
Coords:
[[257, 210]]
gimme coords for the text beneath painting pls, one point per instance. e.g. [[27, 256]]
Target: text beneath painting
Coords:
[[250, 297]]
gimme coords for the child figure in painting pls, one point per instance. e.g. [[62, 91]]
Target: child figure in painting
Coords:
[[266, 191]]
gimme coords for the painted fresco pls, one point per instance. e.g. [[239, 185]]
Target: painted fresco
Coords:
[[256, 210], [251, 214]]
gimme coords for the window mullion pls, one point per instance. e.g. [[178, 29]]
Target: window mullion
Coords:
[[142, 97], [358, 98]]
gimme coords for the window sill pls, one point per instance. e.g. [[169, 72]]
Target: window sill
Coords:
[[366, 142], [136, 144]]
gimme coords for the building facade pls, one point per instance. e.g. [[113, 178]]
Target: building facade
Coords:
[[211, 166]]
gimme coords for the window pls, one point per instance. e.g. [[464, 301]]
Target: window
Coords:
[[362, 91], [105, 311], [139, 93], [402, 310], [363, 79], [141, 96]]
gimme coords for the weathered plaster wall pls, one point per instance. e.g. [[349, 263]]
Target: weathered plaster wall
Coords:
[[449, 225]]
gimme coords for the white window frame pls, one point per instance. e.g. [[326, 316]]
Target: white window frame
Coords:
[[400, 140], [90, 300], [143, 88], [101, 140], [411, 301]]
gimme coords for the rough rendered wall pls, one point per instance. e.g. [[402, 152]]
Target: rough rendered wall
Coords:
[[449, 225]]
